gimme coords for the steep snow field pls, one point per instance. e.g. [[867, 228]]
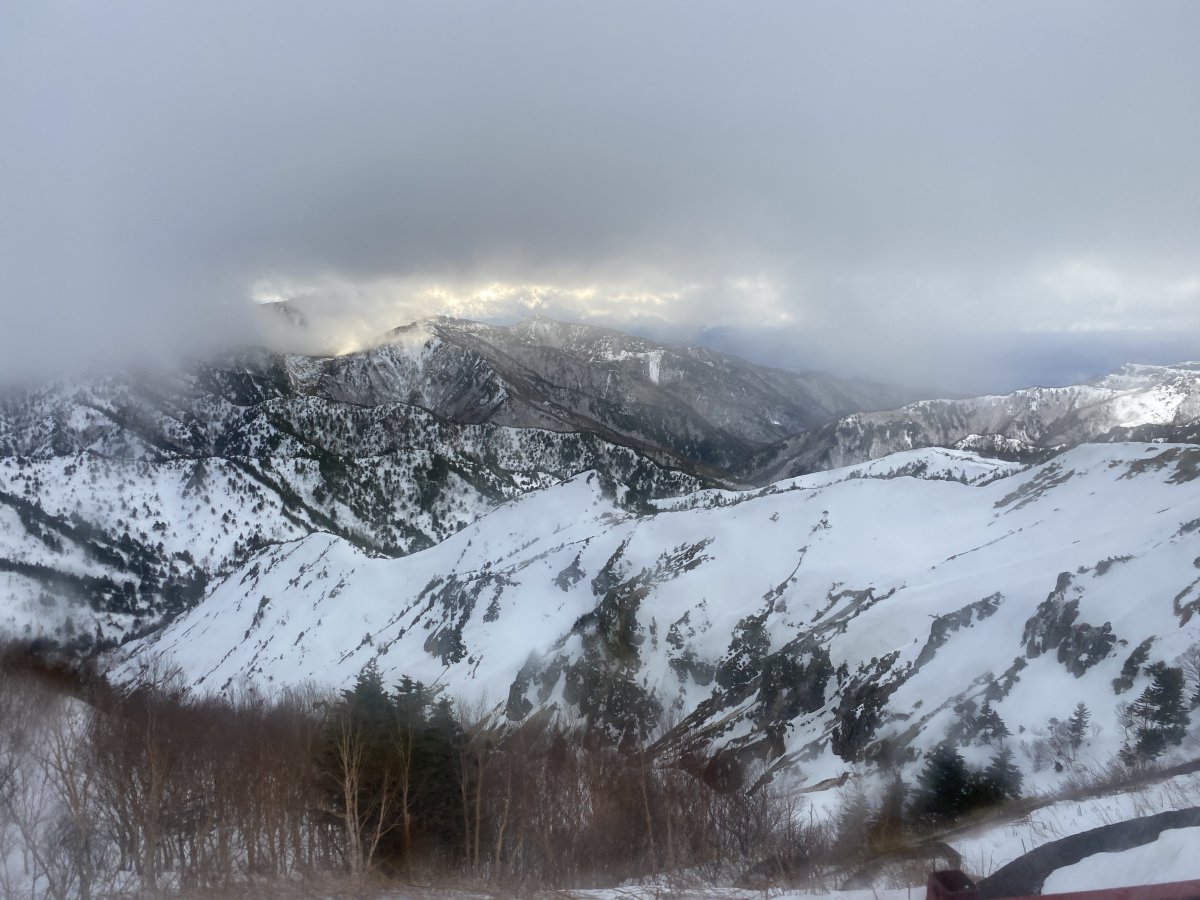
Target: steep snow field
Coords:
[[97, 522], [896, 608]]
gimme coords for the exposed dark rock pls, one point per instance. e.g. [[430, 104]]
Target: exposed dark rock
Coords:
[[1079, 645], [1133, 664], [944, 626]]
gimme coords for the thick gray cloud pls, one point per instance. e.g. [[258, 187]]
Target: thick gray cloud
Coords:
[[938, 192]]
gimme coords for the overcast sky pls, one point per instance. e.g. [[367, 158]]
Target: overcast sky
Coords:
[[973, 196]]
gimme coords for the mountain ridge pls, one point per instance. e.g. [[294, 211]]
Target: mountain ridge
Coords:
[[689, 406]]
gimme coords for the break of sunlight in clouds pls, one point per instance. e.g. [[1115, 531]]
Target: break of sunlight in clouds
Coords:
[[965, 195], [342, 316], [928, 333]]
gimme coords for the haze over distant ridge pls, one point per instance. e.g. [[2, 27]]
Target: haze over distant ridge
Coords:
[[976, 197]]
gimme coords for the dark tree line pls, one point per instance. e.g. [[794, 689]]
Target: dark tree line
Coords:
[[948, 789]]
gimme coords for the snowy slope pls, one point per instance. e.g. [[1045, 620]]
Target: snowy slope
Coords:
[[931, 463], [823, 624], [120, 497], [122, 493], [1170, 858]]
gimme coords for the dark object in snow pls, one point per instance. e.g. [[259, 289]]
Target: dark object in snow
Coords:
[[951, 884]]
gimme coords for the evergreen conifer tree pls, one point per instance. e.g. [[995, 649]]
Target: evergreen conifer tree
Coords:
[[853, 820], [889, 824], [990, 726], [1077, 725], [1001, 780], [944, 788], [1159, 716]]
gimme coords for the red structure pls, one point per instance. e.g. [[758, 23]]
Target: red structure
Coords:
[[955, 885]]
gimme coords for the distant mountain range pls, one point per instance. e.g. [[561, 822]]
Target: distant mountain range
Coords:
[[128, 492], [1139, 403]]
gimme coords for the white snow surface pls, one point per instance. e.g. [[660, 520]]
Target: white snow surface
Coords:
[[926, 463], [864, 566], [1172, 857], [986, 848], [1016, 424]]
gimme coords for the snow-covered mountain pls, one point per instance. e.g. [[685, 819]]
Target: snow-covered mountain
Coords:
[[121, 498], [865, 614], [549, 517], [122, 495], [1141, 403]]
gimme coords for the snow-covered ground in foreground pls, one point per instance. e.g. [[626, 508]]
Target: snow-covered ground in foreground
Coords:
[[635, 893], [1173, 857], [986, 849]]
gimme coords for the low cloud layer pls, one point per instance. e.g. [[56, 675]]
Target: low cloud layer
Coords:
[[940, 193]]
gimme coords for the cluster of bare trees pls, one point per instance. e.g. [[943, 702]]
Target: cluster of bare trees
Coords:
[[558, 808], [46, 790], [104, 791], [211, 791]]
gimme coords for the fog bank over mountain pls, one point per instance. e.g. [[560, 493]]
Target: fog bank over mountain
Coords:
[[975, 197]]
